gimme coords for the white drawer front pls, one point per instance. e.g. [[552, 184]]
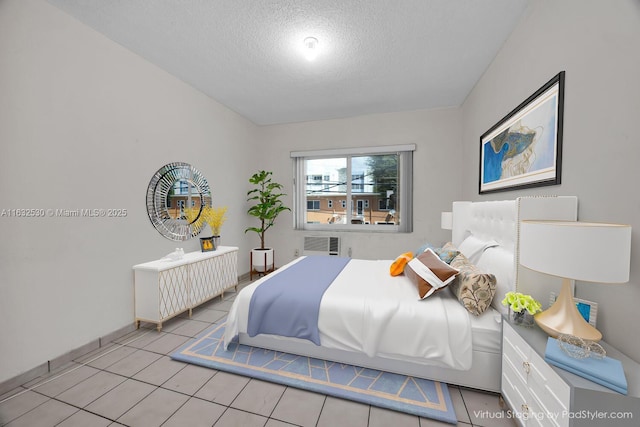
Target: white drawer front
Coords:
[[515, 392], [528, 380], [548, 389], [542, 417], [516, 352], [538, 416]]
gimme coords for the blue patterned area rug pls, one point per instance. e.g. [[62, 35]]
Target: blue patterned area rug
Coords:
[[424, 398]]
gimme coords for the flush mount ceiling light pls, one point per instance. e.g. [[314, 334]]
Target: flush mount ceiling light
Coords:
[[310, 48]]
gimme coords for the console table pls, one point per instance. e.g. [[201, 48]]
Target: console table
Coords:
[[544, 395], [164, 288]]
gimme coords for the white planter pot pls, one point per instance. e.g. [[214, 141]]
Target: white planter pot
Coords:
[[262, 259]]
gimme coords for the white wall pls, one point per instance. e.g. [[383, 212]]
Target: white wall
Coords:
[[597, 44], [85, 123], [436, 134]]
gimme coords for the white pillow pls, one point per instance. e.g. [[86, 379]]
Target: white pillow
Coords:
[[472, 247], [500, 263]]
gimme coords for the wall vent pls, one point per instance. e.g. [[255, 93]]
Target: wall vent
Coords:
[[321, 245]]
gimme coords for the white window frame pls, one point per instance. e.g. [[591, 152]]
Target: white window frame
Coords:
[[405, 164]]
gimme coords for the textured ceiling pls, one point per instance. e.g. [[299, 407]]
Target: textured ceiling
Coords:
[[374, 56]]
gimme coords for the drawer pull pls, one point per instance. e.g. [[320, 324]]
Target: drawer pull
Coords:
[[526, 366]]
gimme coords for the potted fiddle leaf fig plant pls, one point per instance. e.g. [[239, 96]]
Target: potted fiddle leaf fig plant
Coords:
[[267, 205]]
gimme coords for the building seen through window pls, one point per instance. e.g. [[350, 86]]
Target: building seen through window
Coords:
[[352, 190], [363, 188]]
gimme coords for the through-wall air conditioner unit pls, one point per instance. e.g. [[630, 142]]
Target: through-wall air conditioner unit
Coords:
[[321, 245]]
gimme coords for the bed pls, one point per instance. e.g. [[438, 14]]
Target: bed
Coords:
[[368, 318]]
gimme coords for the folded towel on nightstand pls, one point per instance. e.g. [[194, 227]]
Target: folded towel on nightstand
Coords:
[[607, 371]]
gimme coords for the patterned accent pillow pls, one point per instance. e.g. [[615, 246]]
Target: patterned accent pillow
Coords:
[[446, 253], [473, 288]]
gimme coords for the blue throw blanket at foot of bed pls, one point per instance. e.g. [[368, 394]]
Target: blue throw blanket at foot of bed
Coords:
[[288, 303]]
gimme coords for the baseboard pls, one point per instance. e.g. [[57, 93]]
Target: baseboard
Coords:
[[70, 356], [60, 361], [117, 334], [25, 377]]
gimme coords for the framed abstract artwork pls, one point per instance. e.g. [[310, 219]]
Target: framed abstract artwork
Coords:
[[524, 149]]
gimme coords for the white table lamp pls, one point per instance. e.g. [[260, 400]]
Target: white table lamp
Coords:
[[584, 251]]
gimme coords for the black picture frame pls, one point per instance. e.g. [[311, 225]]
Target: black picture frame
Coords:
[[524, 149], [206, 244]]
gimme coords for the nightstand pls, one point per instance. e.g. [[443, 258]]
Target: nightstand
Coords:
[[543, 395]]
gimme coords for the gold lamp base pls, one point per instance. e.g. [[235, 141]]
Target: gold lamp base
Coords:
[[563, 317]]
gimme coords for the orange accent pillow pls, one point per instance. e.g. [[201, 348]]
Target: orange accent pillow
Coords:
[[397, 268]]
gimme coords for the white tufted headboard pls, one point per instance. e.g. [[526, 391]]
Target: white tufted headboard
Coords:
[[500, 221]]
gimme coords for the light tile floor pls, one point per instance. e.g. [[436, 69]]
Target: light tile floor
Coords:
[[133, 382]]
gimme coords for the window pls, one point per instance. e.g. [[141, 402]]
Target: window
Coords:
[[372, 186], [383, 204], [357, 183]]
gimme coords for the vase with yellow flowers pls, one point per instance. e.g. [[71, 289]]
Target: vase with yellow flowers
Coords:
[[215, 217], [522, 307]]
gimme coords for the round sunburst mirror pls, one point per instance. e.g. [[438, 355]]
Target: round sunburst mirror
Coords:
[[176, 196]]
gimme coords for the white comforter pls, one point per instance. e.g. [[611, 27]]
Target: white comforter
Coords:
[[368, 311]]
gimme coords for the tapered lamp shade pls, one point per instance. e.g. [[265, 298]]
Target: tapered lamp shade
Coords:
[[584, 251]]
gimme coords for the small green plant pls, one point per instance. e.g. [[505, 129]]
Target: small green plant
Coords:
[[518, 302], [268, 205]]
